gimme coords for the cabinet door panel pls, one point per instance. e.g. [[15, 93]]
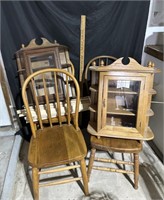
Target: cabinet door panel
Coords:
[[122, 99], [41, 61]]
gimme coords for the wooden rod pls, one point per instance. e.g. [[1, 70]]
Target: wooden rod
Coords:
[[113, 170], [57, 98], [37, 103], [114, 161], [60, 182], [47, 101], [68, 101], [59, 169]]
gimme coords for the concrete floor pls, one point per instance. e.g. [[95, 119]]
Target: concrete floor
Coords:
[[102, 185], [6, 144]]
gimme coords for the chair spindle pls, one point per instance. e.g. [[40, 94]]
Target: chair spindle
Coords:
[[57, 99], [68, 102], [47, 101]]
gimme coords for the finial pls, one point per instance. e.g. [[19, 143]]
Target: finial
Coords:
[[150, 64], [102, 63], [153, 64], [22, 45], [93, 63]]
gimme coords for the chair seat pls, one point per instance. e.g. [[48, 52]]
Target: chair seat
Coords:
[[115, 144], [56, 145]]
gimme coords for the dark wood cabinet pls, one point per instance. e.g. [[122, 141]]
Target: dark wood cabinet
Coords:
[[35, 57]]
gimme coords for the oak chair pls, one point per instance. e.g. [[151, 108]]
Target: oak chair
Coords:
[[108, 144], [57, 143], [123, 146]]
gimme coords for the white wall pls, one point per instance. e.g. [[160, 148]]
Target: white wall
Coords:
[[154, 36], [9, 122], [4, 114]]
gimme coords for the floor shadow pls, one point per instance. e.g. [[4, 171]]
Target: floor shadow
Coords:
[[122, 167], [118, 166], [23, 158], [152, 181], [75, 174], [86, 136], [98, 195]]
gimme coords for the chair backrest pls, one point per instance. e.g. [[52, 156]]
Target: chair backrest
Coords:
[[103, 60], [59, 90]]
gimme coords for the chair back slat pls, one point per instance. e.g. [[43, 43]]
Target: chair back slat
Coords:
[[52, 99], [68, 101], [57, 99], [37, 108], [47, 101]]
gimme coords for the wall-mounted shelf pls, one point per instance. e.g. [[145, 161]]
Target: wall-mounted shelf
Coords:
[[155, 51], [121, 99]]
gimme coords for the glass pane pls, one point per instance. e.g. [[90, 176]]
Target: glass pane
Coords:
[[39, 62], [122, 102], [49, 80]]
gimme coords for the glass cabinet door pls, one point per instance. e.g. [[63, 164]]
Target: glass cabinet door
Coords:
[[121, 102], [41, 61]]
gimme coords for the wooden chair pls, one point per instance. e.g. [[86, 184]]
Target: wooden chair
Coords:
[[56, 138], [111, 144], [116, 145]]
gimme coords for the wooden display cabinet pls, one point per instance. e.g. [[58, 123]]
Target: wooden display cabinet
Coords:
[[35, 57], [121, 99]]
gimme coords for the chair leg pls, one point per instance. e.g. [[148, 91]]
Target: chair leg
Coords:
[[35, 177], [91, 160], [136, 170], [84, 176]]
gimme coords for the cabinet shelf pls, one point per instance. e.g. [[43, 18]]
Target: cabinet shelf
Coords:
[[94, 88], [121, 91], [114, 111], [66, 65], [155, 51], [150, 113], [93, 108], [120, 132], [152, 92]]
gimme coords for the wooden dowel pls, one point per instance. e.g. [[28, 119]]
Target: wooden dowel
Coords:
[[57, 99], [37, 104], [113, 170], [114, 161], [68, 101], [60, 182], [48, 110], [59, 169]]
